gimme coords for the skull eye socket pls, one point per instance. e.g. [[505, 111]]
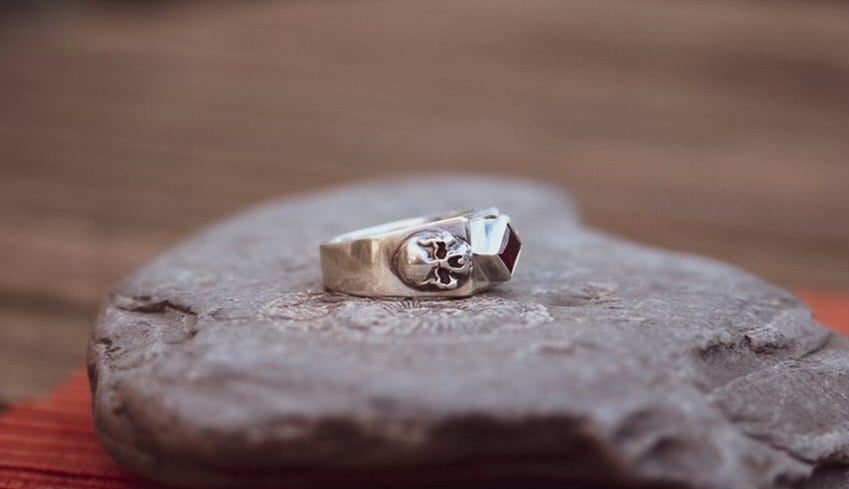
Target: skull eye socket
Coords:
[[455, 262], [440, 252], [444, 276]]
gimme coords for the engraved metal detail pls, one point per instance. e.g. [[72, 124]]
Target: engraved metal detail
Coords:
[[434, 260]]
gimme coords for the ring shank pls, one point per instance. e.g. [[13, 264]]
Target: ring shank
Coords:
[[383, 229]]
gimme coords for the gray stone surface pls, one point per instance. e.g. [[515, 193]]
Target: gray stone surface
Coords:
[[603, 362]]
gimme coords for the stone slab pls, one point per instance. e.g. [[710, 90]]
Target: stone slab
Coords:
[[603, 363]]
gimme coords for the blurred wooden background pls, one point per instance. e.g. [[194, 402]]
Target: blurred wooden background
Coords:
[[714, 127]]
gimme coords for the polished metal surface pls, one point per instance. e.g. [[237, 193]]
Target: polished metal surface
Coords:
[[456, 254]]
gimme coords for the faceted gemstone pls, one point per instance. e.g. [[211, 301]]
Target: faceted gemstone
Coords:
[[495, 246], [510, 254]]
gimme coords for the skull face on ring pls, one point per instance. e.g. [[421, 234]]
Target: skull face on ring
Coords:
[[435, 260]]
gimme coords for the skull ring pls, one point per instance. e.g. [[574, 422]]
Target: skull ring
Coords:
[[452, 255]]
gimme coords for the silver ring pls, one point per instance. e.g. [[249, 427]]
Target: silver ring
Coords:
[[457, 254]]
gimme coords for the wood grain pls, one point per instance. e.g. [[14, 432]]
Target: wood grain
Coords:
[[718, 128]]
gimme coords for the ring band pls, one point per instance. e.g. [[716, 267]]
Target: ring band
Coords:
[[457, 254]]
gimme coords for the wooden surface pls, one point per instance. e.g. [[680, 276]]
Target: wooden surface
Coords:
[[719, 128]]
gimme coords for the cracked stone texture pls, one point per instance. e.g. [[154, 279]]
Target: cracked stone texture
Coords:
[[603, 363]]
